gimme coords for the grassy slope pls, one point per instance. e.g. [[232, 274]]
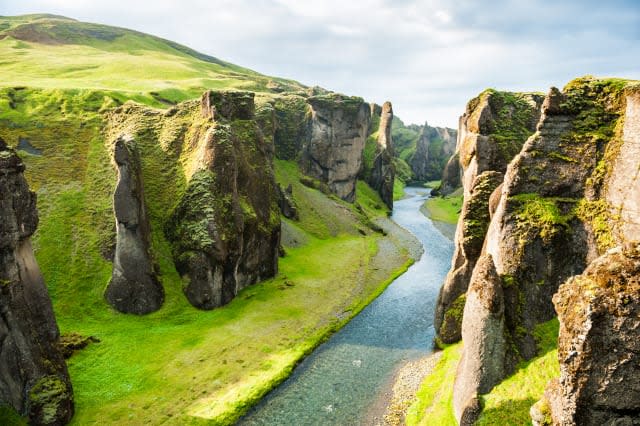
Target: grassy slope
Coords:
[[52, 52], [444, 209], [179, 364], [507, 404], [433, 405]]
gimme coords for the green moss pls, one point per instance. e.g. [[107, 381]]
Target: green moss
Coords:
[[510, 401], [542, 217], [291, 113], [597, 215], [513, 123], [398, 189], [47, 396], [9, 416], [453, 315]]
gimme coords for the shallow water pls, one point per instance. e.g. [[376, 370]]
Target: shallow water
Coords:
[[342, 378]]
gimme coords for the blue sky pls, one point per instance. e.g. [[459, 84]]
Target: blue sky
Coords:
[[429, 57]]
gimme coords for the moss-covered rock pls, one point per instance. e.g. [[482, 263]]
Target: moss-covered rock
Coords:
[[33, 377], [598, 346], [225, 230], [378, 166], [541, 233], [492, 130]]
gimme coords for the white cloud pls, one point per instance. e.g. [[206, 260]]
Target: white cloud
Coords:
[[427, 56]]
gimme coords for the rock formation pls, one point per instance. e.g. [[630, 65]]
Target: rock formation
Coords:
[[599, 344], [134, 287], [451, 176], [549, 223], [332, 151], [382, 173], [492, 131], [286, 203], [433, 149], [225, 229], [33, 376], [599, 310]]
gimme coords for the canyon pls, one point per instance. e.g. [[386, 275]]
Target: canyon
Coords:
[[198, 241]]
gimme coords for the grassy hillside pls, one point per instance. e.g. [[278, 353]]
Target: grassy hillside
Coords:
[[47, 51], [180, 365]]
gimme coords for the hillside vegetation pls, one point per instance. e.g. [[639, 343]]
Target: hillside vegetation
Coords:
[[179, 365]]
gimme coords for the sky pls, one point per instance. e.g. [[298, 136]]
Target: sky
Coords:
[[428, 57]]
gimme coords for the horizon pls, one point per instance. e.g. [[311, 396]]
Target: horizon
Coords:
[[451, 52]]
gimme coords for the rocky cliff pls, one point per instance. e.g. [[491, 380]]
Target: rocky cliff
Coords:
[[332, 151], [434, 148], [551, 219], [492, 130], [33, 375], [381, 174], [209, 169]]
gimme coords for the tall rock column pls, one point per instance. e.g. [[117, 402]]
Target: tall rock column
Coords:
[[134, 287], [492, 131], [33, 376], [383, 172]]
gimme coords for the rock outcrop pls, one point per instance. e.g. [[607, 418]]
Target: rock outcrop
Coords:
[[134, 287], [382, 173], [451, 176], [492, 131], [287, 204], [225, 229], [332, 150], [599, 344], [549, 223], [599, 310], [33, 376], [433, 149]]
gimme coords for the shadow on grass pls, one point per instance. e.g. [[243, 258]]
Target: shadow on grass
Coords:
[[513, 412]]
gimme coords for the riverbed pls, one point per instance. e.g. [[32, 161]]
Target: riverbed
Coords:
[[340, 382]]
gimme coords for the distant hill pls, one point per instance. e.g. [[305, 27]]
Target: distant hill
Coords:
[[55, 52]]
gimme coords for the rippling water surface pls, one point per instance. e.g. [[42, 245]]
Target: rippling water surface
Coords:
[[340, 380]]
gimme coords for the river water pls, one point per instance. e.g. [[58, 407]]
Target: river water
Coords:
[[338, 383]]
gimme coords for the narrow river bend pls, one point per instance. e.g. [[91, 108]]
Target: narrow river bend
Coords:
[[342, 378]]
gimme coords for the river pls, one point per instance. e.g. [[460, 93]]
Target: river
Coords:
[[338, 383]]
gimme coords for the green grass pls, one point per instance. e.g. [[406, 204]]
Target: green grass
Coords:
[[398, 189], [434, 399], [100, 57], [179, 365], [509, 402], [443, 209]]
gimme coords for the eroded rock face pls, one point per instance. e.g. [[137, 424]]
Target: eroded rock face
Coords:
[[134, 287], [33, 376], [336, 137], [548, 223], [433, 150], [492, 131], [225, 230], [383, 172], [599, 343], [451, 176]]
